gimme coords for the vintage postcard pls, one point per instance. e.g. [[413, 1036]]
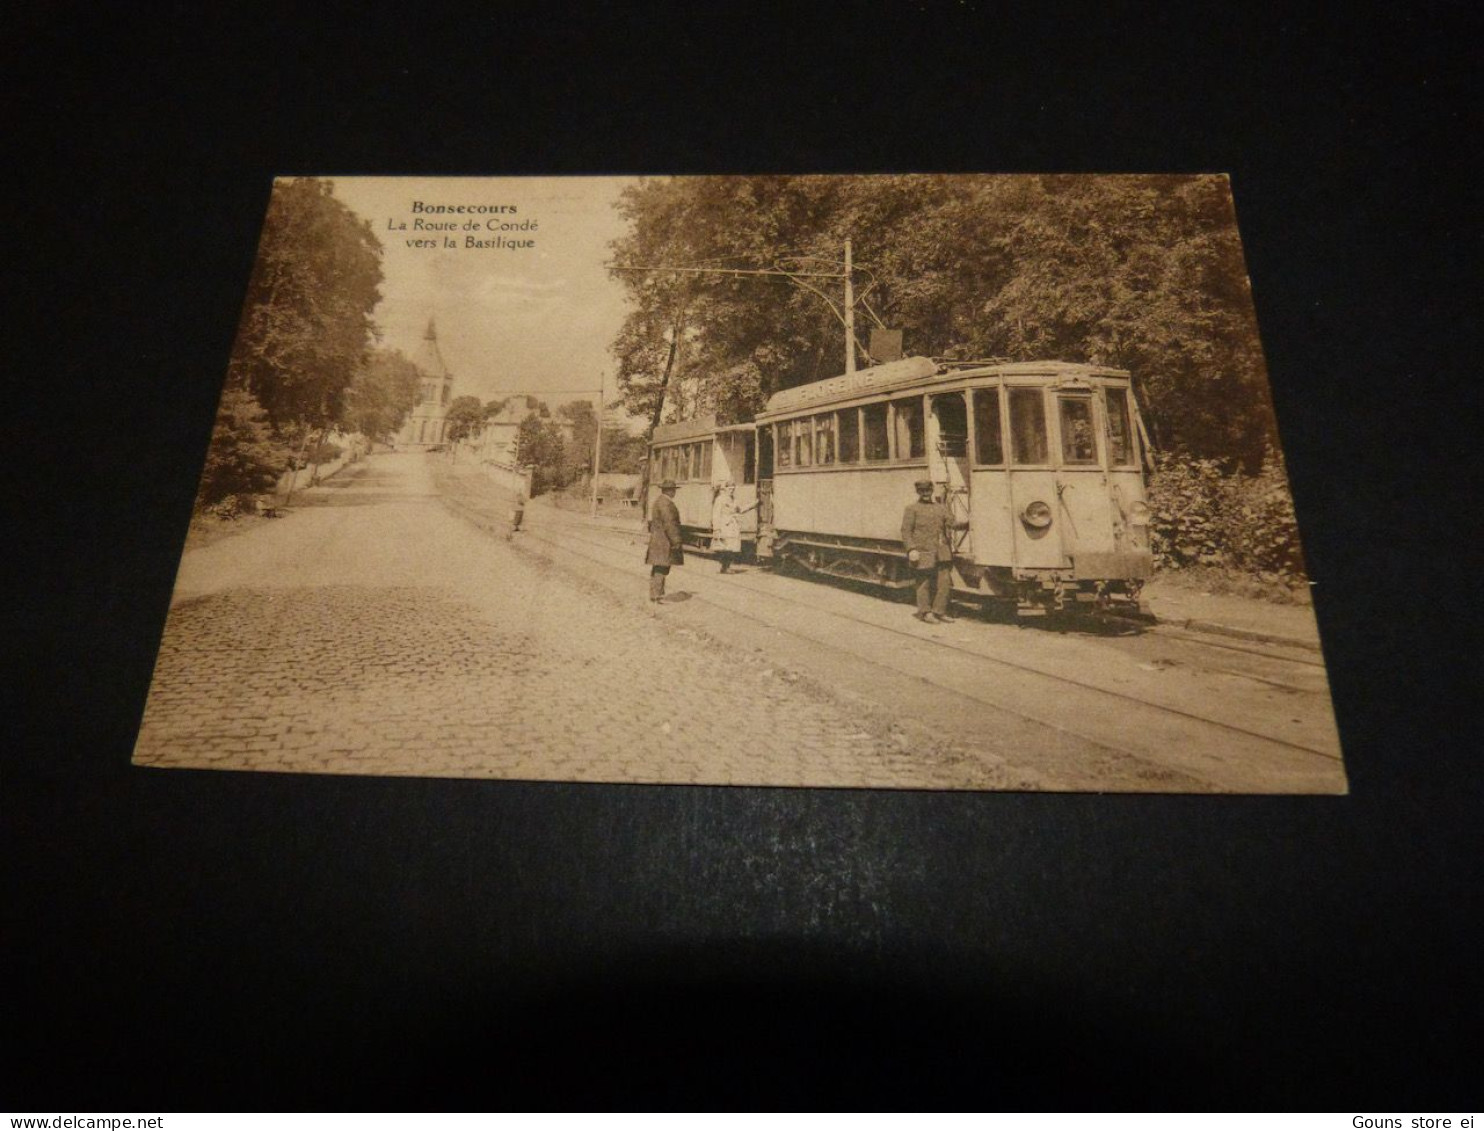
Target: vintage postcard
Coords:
[[909, 481]]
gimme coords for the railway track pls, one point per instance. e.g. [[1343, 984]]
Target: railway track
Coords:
[[1231, 756], [567, 540]]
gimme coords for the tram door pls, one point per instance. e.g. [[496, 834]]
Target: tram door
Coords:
[[1081, 481], [950, 462], [764, 469]]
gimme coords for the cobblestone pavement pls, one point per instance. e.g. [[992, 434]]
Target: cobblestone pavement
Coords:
[[371, 631]]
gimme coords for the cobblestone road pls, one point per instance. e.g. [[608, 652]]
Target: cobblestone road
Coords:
[[372, 631]]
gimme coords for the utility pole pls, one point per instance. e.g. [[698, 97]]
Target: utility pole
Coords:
[[598, 444], [849, 313]]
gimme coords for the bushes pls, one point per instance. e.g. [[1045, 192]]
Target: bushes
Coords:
[[234, 506], [1206, 515], [244, 457], [323, 452]]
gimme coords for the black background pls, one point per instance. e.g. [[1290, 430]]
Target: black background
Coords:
[[227, 940]]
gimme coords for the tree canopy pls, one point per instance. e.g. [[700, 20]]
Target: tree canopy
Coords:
[[306, 324], [243, 457], [385, 389], [465, 418], [1139, 272]]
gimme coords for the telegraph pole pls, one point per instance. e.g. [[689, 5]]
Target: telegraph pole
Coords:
[[598, 444], [849, 314]]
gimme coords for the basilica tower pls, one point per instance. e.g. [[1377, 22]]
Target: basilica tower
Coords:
[[428, 423]]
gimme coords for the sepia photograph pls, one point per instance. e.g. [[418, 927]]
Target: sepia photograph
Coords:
[[917, 481]]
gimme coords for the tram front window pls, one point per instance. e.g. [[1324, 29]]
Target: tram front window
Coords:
[[1120, 434], [989, 447], [1079, 442], [1028, 426]]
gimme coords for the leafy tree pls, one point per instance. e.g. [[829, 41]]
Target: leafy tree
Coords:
[[624, 452], [465, 418], [1144, 273], [584, 424], [243, 457], [385, 390], [538, 443], [306, 323]]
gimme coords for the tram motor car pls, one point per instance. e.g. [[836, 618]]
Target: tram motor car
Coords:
[[1041, 465]]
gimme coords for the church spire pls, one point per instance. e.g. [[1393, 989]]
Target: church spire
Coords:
[[429, 357]]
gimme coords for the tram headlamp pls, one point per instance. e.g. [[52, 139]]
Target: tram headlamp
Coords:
[[1036, 515], [1138, 514]]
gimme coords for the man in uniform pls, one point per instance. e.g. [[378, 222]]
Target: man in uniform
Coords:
[[926, 536], [664, 540]]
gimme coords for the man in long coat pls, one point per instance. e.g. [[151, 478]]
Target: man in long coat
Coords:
[[664, 540], [927, 537]]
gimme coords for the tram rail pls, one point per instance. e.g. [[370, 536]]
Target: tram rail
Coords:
[[578, 541]]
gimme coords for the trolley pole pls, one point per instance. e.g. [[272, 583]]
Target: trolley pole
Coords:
[[598, 444]]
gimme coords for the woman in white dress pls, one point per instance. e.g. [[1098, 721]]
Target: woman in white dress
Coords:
[[726, 525]]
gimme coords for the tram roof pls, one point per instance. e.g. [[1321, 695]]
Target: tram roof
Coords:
[[692, 429], [909, 371]]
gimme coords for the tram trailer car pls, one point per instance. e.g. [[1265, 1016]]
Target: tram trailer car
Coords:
[[701, 456], [1040, 464]]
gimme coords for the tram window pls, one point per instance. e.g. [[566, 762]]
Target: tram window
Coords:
[[706, 457], [804, 441], [749, 459], [1079, 443], [850, 436], [824, 438], [783, 449], [873, 420], [907, 429], [1120, 432], [989, 444], [1028, 426]]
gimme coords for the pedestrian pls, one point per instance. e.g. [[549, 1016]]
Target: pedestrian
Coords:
[[926, 536], [664, 540], [517, 511], [726, 525]]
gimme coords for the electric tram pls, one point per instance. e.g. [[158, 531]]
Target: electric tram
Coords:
[[1040, 463]]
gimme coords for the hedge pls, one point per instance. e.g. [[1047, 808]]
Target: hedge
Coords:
[[1208, 514]]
